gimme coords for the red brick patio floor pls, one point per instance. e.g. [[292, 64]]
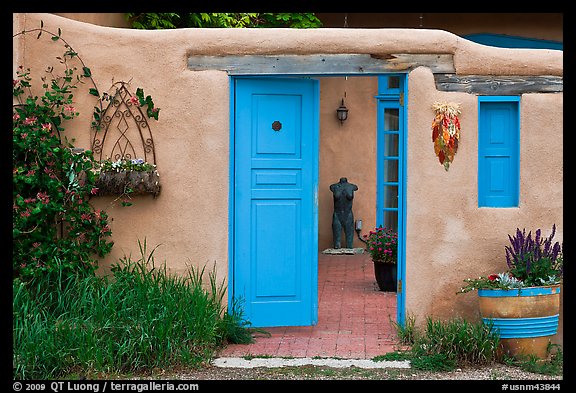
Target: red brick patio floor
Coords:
[[354, 317]]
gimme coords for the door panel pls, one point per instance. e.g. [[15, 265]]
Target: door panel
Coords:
[[275, 220]]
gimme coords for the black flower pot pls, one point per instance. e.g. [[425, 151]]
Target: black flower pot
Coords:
[[385, 274]]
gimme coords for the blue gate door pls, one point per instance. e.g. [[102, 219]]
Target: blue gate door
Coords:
[[275, 200]]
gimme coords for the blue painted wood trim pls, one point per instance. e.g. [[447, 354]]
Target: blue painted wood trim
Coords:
[[394, 95], [498, 99], [316, 176], [403, 177], [528, 291], [523, 327], [231, 193], [510, 41]]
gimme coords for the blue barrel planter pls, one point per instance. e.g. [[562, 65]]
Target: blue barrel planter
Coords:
[[525, 318]]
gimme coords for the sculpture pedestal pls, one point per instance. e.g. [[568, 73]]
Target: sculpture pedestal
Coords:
[[343, 251]]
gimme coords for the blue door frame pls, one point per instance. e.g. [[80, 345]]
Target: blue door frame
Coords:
[[386, 98], [392, 147]]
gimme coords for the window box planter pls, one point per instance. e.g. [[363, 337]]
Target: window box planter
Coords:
[[128, 182]]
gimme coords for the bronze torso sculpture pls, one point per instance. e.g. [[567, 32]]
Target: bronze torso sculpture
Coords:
[[343, 218]]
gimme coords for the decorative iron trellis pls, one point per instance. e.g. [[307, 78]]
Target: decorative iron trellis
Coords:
[[122, 123]]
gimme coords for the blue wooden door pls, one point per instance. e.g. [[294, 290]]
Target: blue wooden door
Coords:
[[275, 200]]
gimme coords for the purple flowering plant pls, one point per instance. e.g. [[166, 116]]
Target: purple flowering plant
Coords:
[[532, 261], [535, 260], [382, 244]]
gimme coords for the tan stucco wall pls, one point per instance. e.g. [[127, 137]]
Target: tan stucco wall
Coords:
[[448, 237]]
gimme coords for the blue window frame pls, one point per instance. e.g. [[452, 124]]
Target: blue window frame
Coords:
[[391, 170], [498, 151]]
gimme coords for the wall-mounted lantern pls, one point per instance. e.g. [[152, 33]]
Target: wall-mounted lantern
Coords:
[[342, 112]]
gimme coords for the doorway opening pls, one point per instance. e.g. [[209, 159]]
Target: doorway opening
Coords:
[[368, 148]]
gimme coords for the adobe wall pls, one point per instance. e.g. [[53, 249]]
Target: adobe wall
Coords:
[[448, 237]]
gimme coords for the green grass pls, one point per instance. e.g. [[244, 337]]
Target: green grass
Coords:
[[407, 332], [447, 345], [552, 366], [139, 318], [391, 356]]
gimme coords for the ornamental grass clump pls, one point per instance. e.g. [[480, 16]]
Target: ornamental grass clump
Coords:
[[138, 319], [443, 345], [531, 261], [382, 244]]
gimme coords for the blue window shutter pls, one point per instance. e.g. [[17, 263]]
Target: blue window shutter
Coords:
[[498, 151]]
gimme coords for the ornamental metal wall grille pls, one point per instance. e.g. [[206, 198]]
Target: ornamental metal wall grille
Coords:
[[124, 132]]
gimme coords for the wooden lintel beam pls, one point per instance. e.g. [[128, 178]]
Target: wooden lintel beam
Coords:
[[501, 85], [321, 64]]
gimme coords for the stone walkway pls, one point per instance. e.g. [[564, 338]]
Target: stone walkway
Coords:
[[354, 317]]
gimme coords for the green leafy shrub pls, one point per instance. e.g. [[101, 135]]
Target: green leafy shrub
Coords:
[[155, 21]]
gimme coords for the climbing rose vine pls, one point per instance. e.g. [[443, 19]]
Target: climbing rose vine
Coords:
[[54, 227]]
